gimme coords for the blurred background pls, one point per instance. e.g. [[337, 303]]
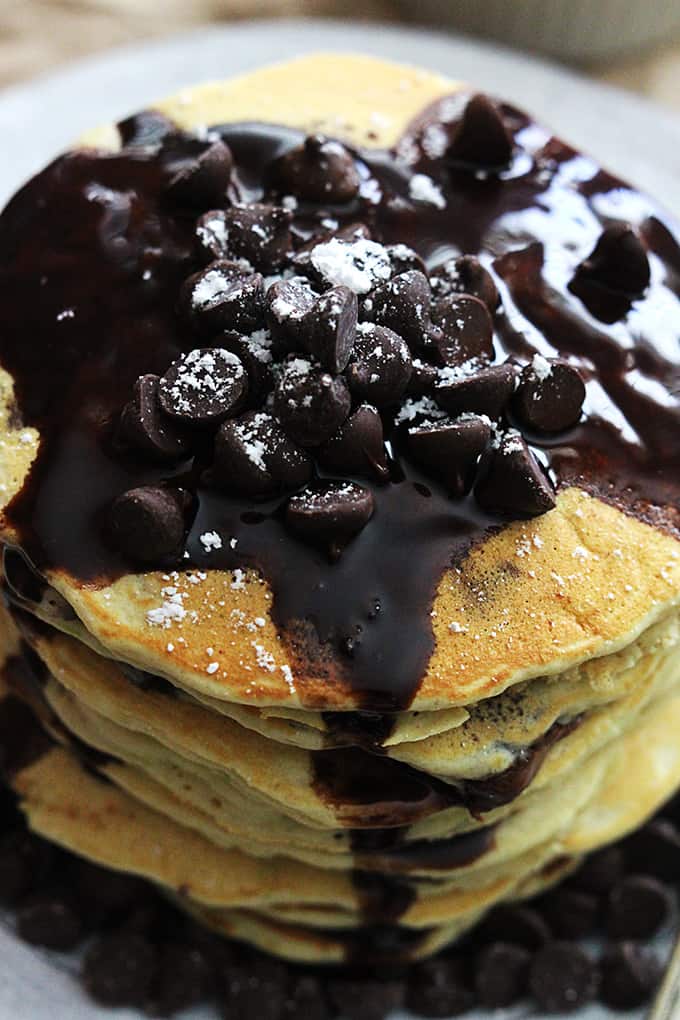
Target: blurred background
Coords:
[[633, 43]]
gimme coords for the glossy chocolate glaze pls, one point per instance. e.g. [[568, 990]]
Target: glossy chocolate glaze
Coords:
[[91, 260]]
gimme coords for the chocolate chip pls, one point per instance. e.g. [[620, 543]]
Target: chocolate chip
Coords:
[[212, 235], [145, 428], [320, 170], [256, 990], [600, 871], [618, 262], [330, 513], [255, 353], [464, 275], [437, 988], [572, 914], [481, 138], [450, 449], [51, 920], [184, 978], [25, 862], [501, 974], [549, 396], [359, 264], [254, 457], [259, 233], [423, 378], [562, 978], [511, 481], [330, 327], [519, 924], [310, 404], [104, 894], [305, 999], [464, 330], [145, 130], [204, 181], [147, 524], [380, 367], [630, 975], [365, 1000], [637, 907], [286, 306], [485, 391], [403, 259], [655, 850], [203, 387], [357, 448], [119, 969], [223, 296], [403, 305]]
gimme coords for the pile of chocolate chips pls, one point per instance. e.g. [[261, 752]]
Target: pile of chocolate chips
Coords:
[[139, 951], [312, 366]]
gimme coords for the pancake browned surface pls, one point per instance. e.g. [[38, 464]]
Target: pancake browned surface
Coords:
[[417, 690]]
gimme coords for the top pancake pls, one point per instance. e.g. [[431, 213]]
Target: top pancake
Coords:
[[529, 599]]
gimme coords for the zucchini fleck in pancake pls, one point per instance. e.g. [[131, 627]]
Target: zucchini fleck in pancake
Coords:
[[339, 504]]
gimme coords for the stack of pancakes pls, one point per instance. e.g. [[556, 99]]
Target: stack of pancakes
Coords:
[[191, 741]]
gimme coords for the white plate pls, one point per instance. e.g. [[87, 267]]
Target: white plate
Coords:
[[37, 120]]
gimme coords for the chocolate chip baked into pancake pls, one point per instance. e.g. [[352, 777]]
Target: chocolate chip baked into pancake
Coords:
[[340, 450]]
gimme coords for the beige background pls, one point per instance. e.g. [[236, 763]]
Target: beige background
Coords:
[[37, 35]]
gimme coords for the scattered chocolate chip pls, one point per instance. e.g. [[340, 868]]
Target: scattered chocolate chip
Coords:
[[118, 969], [562, 978], [450, 449], [638, 906], [618, 262], [255, 990], [572, 913], [51, 920], [380, 367], [655, 850], [403, 305], [365, 1000], [305, 1000], [485, 391], [630, 975], [512, 481], [463, 330], [600, 871], [212, 235], [25, 863], [357, 448], [145, 428], [330, 327], [516, 923], [310, 404], [259, 233], [437, 988], [320, 170], [549, 396], [104, 894], [147, 524], [145, 130], [224, 295], [481, 138], [423, 378], [286, 306], [255, 353], [464, 275], [184, 978], [203, 387], [330, 513], [255, 457], [204, 181], [501, 974], [403, 259], [359, 264]]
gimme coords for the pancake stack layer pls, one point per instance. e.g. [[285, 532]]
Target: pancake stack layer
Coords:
[[339, 476]]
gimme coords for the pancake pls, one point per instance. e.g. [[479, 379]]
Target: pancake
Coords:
[[340, 523]]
